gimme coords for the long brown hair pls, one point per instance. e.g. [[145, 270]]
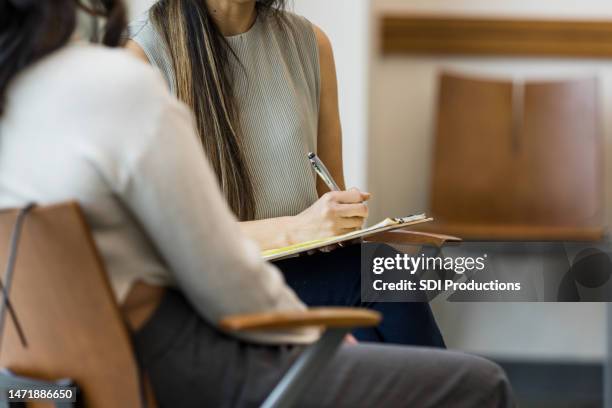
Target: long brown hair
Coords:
[[200, 57], [32, 29]]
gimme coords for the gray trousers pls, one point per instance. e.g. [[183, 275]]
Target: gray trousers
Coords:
[[191, 364]]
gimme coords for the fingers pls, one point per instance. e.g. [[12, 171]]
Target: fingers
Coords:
[[364, 195], [344, 211], [351, 196], [351, 210], [350, 339], [350, 224]]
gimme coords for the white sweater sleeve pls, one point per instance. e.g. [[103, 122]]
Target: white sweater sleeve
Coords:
[[171, 190]]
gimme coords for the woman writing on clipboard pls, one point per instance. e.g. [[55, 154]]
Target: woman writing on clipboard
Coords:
[[262, 85]]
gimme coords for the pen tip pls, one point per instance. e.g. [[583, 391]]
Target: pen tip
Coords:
[[311, 155]]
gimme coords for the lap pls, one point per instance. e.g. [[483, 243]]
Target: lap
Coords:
[[334, 279], [331, 279]]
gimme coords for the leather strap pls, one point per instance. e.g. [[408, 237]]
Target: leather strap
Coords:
[[5, 287]]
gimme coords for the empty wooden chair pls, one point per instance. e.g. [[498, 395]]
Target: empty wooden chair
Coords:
[[517, 161], [74, 329]]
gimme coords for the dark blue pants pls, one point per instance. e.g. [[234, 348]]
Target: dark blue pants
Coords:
[[334, 279]]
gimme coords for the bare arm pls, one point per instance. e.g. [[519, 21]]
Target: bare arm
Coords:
[[335, 213], [329, 140]]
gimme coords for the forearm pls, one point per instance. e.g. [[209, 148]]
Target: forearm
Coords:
[[270, 233], [333, 214]]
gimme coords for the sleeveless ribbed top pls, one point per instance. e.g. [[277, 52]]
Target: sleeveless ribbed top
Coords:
[[277, 90]]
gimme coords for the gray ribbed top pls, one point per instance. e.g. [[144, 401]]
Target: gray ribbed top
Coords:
[[278, 102]]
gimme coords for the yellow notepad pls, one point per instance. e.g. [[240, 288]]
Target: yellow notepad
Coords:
[[385, 225]]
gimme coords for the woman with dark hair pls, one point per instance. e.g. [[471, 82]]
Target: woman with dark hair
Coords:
[[85, 122], [262, 84]]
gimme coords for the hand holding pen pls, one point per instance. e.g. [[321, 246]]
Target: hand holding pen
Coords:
[[335, 213]]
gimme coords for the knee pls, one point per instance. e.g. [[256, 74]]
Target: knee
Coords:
[[491, 379]]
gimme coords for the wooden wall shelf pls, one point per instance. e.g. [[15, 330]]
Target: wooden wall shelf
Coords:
[[495, 37]]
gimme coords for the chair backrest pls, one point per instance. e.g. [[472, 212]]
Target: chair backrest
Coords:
[[68, 313], [518, 154]]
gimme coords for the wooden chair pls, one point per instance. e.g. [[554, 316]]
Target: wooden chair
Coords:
[[74, 328], [406, 237], [517, 161]]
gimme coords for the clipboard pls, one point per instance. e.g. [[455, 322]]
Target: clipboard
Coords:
[[387, 224]]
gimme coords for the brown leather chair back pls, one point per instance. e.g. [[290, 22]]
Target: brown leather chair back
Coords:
[[517, 158], [561, 154], [67, 311]]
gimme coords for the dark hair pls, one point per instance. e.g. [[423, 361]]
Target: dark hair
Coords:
[[200, 57], [32, 29]]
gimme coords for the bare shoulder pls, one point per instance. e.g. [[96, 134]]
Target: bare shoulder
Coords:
[[325, 46], [135, 49], [326, 58]]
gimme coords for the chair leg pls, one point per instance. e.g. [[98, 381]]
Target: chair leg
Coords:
[[4, 403], [305, 369], [608, 361]]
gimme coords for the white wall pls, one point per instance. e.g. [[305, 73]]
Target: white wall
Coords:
[[403, 91], [135, 7]]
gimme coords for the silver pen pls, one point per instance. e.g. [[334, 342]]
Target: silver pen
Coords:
[[322, 171]]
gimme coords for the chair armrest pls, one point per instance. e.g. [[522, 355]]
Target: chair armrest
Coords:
[[337, 322], [412, 237], [328, 317]]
